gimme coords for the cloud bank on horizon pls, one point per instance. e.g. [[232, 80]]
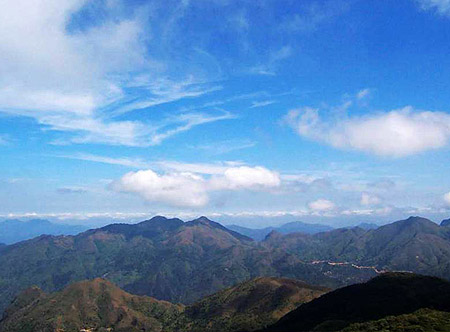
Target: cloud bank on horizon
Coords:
[[306, 109]]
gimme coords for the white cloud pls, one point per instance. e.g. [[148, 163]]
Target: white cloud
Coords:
[[447, 198], [362, 94], [245, 177], [270, 67], [368, 199], [127, 162], [442, 7], [263, 103], [321, 205], [396, 133], [187, 189], [70, 80], [177, 189], [223, 147]]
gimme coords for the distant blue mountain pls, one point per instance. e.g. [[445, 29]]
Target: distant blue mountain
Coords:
[[445, 222], [366, 226], [259, 234], [12, 231]]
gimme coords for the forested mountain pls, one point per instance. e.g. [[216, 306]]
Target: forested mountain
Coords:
[[98, 305], [415, 244], [164, 258]]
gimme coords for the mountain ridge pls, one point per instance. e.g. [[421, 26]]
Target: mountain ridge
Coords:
[[99, 305]]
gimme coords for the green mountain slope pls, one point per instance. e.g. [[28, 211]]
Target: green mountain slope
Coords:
[[386, 295], [98, 305], [250, 305], [415, 244], [164, 258], [89, 305]]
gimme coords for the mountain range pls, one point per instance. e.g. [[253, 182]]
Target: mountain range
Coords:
[[13, 231], [259, 234], [164, 258], [415, 244], [99, 305], [182, 262]]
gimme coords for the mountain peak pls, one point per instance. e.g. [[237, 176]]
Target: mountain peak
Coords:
[[203, 220]]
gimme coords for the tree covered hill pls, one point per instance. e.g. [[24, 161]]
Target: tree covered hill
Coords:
[[98, 305], [415, 244]]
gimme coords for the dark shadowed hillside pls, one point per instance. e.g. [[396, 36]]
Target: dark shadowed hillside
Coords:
[[422, 320], [386, 295]]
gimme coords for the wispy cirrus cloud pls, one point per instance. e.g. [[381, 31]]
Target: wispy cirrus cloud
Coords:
[[441, 7], [223, 147], [77, 79]]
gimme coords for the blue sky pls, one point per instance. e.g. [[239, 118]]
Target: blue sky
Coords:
[[253, 112]]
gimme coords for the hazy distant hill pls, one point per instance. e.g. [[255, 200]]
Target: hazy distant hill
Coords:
[[259, 234], [164, 258], [415, 244], [99, 305], [12, 231], [445, 222], [386, 295]]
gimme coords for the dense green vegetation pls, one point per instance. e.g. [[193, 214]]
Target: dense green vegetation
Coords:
[[98, 305], [250, 305], [423, 320], [391, 294]]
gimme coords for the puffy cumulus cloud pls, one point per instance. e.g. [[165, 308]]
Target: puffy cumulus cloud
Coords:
[[442, 7], [321, 205], [177, 189], [188, 189], [245, 177], [396, 133], [368, 199], [447, 198]]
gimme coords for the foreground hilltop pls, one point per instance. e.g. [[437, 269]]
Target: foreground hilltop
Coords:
[[165, 258], [98, 305], [391, 294], [395, 302]]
